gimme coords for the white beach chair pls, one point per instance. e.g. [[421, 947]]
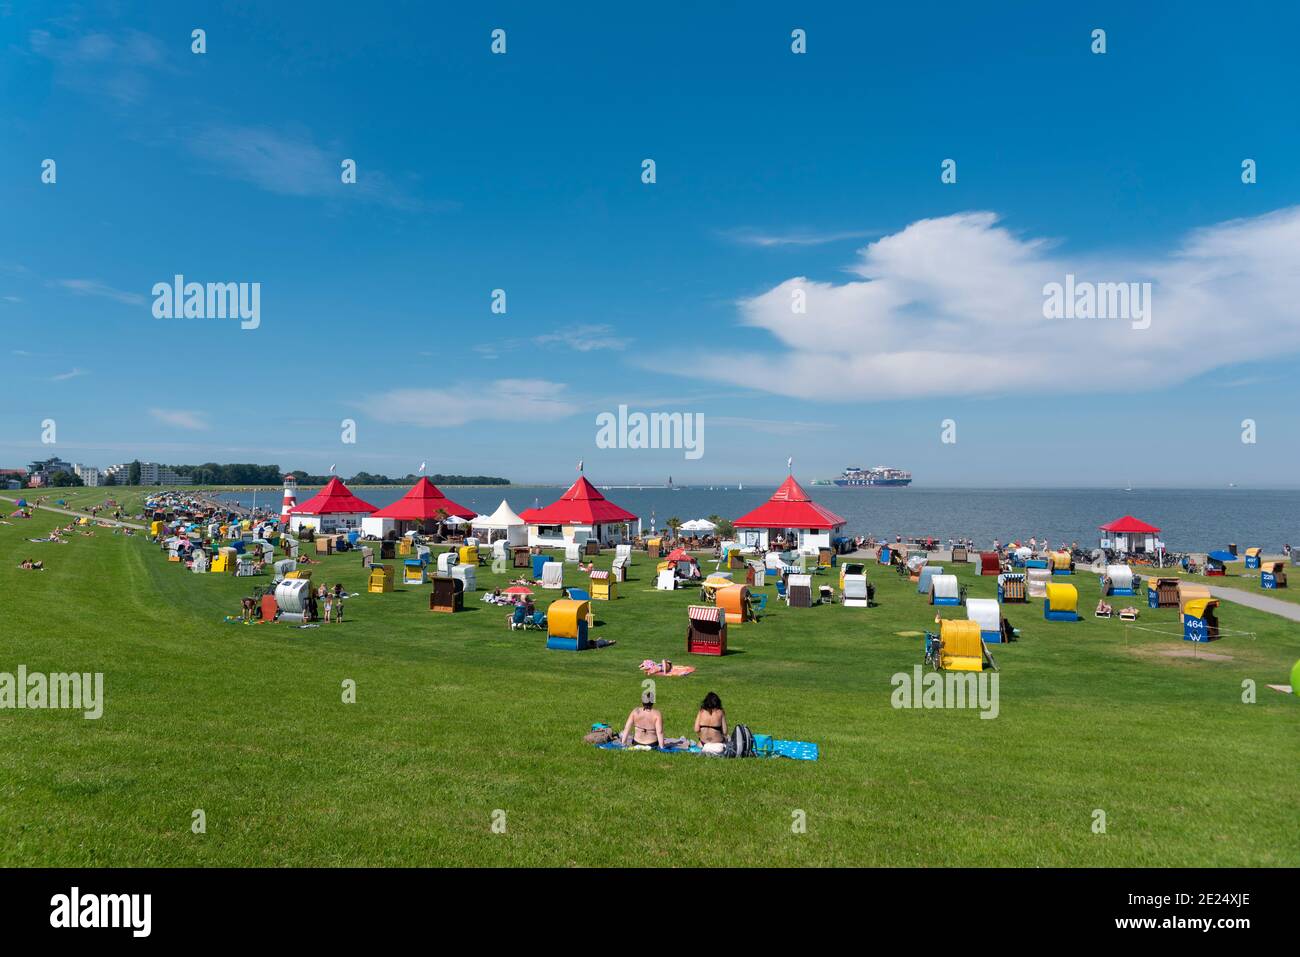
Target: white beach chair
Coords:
[[553, 575]]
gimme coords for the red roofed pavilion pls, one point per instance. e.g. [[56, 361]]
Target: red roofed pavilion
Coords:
[[579, 514], [791, 510], [1129, 534], [422, 504], [333, 508]]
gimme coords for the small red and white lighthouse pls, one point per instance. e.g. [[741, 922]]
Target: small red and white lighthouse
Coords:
[[290, 500]]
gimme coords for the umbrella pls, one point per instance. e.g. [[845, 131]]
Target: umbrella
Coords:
[[1222, 556], [456, 520], [679, 555], [518, 590], [698, 525]]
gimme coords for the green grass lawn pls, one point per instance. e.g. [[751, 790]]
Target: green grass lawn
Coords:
[[457, 716]]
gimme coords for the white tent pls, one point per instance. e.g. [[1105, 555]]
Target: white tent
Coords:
[[697, 525], [502, 524]]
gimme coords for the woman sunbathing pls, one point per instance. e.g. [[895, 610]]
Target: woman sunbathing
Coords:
[[33, 566], [645, 725], [711, 724]]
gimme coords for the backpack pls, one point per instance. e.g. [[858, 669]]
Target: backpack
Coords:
[[741, 744]]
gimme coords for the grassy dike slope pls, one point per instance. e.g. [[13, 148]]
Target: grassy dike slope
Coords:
[[457, 716]]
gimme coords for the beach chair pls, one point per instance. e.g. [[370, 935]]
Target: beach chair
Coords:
[[1200, 619], [381, 579], [1062, 603], [618, 569], [960, 555], [414, 572], [734, 602], [1128, 614], [799, 593], [603, 586], [1254, 557], [572, 553], [1274, 576], [623, 553], [706, 630], [666, 580], [854, 590], [467, 575], [1011, 588], [577, 594], [521, 557], [959, 647], [987, 613], [1103, 610], [447, 596], [1036, 581], [946, 590], [990, 564], [923, 579], [539, 561], [518, 618], [566, 625], [446, 562], [553, 575], [1118, 580]]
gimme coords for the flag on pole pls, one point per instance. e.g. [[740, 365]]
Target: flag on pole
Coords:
[[579, 465], [331, 470], [422, 465], [789, 464]]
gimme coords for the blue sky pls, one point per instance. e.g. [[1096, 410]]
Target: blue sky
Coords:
[[776, 172]]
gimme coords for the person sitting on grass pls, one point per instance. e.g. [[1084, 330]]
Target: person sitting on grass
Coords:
[[246, 609], [645, 725], [711, 725], [32, 566]]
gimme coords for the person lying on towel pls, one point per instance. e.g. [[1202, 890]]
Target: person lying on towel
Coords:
[[711, 725], [645, 725]]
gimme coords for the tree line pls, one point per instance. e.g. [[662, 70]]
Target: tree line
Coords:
[[214, 473]]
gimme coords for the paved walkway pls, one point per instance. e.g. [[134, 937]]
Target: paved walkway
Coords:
[[74, 514], [1274, 606]]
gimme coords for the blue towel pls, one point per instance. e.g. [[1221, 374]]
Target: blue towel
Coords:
[[798, 750]]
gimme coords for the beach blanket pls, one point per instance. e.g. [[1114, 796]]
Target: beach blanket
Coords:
[[794, 750], [656, 668], [616, 746], [1285, 689]]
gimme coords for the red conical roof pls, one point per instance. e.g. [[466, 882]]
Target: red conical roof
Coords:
[[582, 504], [789, 507], [1130, 525], [333, 499], [422, 503]]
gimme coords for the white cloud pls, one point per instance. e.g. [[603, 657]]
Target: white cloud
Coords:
[[72, 374], [292, 164], [954, 306], [507, 400], [768, 426], [180, 418], [112, 65], [746, 236], [93, 287], [587, 338]]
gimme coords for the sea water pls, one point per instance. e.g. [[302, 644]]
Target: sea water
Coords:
[[1189, 519]]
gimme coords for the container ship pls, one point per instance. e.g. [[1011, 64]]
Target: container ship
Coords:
[[855, 477]]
